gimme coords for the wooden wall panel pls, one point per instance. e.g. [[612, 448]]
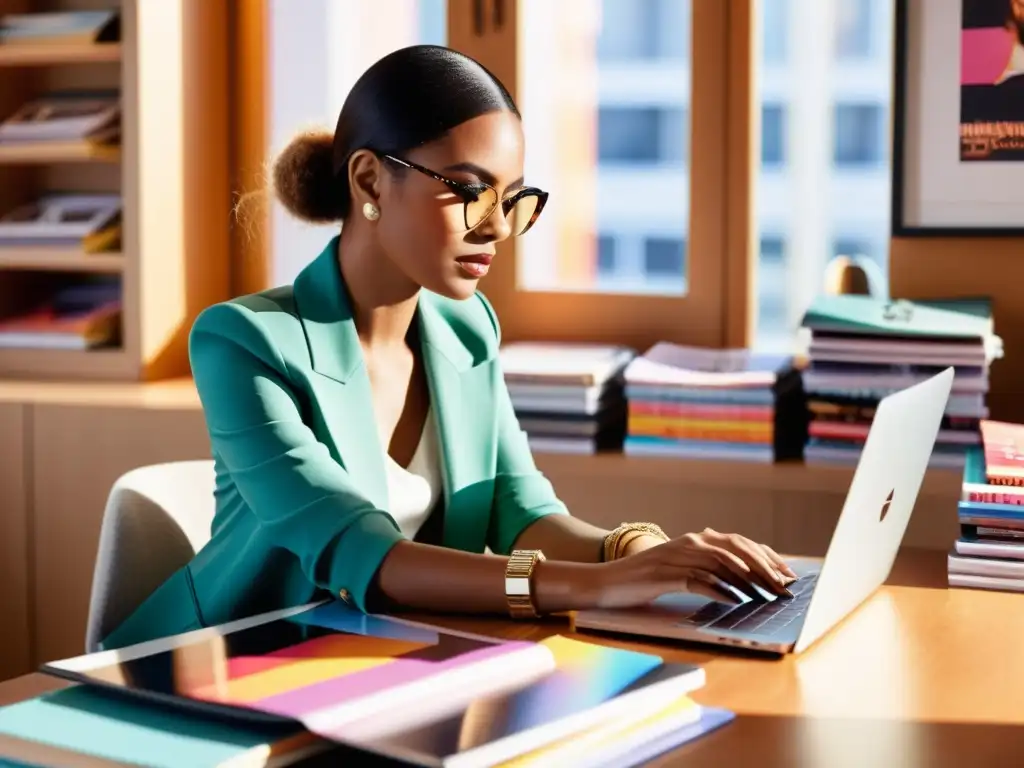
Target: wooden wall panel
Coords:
[[15, 657], [77, 454], [793, 509], [923, 268]]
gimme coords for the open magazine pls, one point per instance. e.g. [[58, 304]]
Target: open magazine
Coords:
[[426, 695]]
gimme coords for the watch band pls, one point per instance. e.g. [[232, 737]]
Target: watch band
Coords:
[[519, 583]]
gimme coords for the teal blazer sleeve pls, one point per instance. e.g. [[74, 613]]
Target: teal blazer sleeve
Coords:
[[303, 499], [301, 494], [522, 494]]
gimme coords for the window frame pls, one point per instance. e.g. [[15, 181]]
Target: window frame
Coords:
[[716, 312]]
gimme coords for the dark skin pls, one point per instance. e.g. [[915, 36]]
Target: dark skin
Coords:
[[414, 244]]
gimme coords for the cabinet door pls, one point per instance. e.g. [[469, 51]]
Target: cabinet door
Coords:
[[78, 453], [15, 658]]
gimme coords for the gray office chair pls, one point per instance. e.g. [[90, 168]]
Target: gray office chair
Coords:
[[157, 517]]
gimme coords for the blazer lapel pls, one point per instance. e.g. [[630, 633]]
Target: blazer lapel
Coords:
[[343, 388], [462, 399], [461, 394]]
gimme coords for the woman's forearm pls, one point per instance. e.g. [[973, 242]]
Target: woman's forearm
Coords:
[[428, 578], [562, 537]]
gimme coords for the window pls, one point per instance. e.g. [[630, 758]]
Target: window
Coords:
[[627, 135], [775, 32], [832, 190], [773, 135], [664, 256], [641, 135], [314, 59], [859, 134], [772, 321], [606, 255], [643, 29], [854, 20], [772, 250], [613, 93], [626, 162], [852, 247]]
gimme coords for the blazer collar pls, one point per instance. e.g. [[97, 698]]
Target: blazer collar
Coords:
[[325, 311], [458, 398]]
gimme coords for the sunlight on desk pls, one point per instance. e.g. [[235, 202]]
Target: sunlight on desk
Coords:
[[924, 654], [865, 659]]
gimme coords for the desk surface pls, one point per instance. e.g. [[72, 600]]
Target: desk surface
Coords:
[[920, 675]]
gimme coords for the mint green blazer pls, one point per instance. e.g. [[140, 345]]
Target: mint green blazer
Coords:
[[301, 492]]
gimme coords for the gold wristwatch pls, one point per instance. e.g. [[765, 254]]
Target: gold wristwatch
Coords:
[[519, 583]]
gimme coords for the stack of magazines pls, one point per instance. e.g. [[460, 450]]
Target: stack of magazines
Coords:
[[568, 397], [325, 678], [862, 348], [990, 551], [714, 403]]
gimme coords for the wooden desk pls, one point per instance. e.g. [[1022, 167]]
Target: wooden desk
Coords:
[[920, 675]]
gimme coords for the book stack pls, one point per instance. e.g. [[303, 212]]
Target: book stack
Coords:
[[861, 348], [90, 223], [92, 116], [569, 398], [82, 315], [990, 551], [714, 403], [327, 679], [59, 28]]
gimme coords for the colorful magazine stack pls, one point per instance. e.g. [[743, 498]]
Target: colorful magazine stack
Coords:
[[278, 688], [863, 348], [714, 403], [568, 397], [990, 551]]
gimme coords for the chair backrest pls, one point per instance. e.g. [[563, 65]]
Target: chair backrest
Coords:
[[156, 519]]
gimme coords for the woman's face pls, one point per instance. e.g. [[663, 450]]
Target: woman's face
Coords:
[[422, 225]]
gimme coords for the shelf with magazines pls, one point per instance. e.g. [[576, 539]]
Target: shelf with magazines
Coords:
[[59, 53], [26, 153], [111, 239], [61, 260]]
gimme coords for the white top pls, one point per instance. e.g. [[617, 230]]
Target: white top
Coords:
[[414, 491]]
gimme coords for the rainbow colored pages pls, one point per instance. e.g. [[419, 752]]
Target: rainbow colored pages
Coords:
[[392, 686]]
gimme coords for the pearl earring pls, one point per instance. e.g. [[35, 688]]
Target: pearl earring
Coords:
[[371, 211]]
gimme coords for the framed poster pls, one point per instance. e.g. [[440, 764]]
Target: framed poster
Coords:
[[958, 118]]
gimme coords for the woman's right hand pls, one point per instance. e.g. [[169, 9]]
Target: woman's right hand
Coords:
[[699, 563]]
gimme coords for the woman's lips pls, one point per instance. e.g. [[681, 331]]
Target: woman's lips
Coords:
[[475, 265]]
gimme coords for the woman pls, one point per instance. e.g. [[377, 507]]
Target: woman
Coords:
[[364, 440]]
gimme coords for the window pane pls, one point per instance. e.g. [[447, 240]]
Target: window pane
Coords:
[[771, 315], [604, 89], [316, 54], [644, 29], [773, 134], [823, 187], [775, 30], [855, 20], [859, 134]]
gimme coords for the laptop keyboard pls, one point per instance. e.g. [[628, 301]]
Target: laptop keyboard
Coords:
[[763, 618]]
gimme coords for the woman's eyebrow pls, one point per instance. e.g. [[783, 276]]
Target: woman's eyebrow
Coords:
[[482, 173]]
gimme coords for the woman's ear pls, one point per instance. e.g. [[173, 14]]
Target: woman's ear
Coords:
[[364, 176]]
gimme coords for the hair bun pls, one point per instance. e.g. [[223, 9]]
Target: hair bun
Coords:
[[304, 180]]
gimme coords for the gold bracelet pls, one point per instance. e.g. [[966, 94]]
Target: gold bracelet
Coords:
[[518, 583], [616, 541]]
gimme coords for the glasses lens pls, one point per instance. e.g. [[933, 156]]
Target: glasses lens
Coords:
[[479, 209], [523, 214]]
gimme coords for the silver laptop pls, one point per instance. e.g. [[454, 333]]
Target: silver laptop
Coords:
[[860, 556]]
